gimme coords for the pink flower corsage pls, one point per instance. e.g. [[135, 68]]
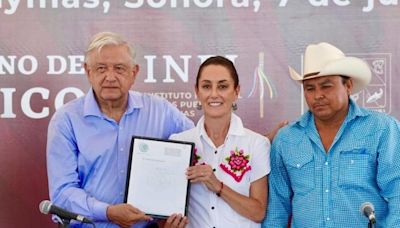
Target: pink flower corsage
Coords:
[[238, 164], [197, 158]]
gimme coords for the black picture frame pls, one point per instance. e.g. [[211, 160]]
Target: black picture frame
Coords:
[[142, 153]]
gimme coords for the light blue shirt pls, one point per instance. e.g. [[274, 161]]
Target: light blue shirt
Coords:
[[322, 189], [87, 152]]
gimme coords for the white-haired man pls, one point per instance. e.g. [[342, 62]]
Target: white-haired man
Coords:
[[89, 138], [337, 155]]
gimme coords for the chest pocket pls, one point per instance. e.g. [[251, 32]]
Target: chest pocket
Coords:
[[301, 169], [354, 168]]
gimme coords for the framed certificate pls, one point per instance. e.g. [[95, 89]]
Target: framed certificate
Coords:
[[156, 181]]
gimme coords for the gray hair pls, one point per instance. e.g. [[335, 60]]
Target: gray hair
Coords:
[[102, 39]]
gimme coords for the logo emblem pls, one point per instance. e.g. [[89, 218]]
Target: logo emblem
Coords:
[[143, 147], [377, 95]]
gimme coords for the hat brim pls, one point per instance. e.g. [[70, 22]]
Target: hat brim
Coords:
[[352, 67]]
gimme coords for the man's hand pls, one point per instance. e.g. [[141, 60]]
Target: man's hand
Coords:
[[270, 135], [176, 221], [125, 215]]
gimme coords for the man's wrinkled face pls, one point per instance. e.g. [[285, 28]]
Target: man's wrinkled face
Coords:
[[111, 72]]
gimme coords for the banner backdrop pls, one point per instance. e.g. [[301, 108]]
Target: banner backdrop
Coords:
[[41, 65]]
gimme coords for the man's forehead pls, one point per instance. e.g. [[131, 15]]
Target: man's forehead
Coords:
[[322, 79]]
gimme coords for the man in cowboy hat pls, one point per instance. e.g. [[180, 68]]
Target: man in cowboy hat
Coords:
[[336, 156]]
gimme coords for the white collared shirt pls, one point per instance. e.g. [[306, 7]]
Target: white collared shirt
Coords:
[[206, 209]]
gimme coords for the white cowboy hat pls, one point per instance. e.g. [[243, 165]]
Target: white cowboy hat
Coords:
[[324, 59]]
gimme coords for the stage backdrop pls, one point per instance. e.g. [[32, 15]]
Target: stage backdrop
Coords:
[[41, 53]]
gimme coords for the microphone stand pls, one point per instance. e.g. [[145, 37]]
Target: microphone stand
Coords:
[[371, 224], [64, 223]]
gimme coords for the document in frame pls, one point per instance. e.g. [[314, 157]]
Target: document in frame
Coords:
[[156, 180]]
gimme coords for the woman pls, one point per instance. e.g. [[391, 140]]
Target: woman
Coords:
[[229, 177]]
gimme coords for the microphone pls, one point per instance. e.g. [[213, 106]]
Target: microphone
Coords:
[[368, 210], [47, 207]]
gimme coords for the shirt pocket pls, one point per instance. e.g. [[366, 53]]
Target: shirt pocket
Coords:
[[354, 168], [301, 169]]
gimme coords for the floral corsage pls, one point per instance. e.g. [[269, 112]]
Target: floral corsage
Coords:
[[238, 164]]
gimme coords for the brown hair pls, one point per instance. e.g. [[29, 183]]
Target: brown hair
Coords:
[[221, 61]]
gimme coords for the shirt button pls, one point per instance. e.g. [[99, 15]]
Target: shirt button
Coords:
[[327, 190], [215, 152], [351, 161], [122, 149], [326, 163], [212, 208], [122, 171], [298, 165], [327, 219]]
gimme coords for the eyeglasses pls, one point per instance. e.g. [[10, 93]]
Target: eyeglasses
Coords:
[[120, 69]]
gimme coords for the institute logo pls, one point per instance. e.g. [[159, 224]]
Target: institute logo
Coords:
[[143, 147], [378, 94]]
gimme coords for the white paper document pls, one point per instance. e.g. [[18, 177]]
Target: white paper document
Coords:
[[157, 184]]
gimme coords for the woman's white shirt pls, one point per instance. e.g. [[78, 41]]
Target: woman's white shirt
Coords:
[[242, 159]]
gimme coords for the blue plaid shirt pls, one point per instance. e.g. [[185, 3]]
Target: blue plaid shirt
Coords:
[[320, 189]]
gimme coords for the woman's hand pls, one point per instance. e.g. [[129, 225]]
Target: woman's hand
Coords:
[[176, 221], [205, 174]]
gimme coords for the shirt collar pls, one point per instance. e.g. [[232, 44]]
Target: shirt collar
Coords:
[[235, 128], [91, 107], [135, 101], [354, 111]]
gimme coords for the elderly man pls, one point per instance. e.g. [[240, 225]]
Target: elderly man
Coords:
[[336, 156], [89, 138]]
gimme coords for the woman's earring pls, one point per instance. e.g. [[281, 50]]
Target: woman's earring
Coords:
[[198, 106], [234, 107]]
